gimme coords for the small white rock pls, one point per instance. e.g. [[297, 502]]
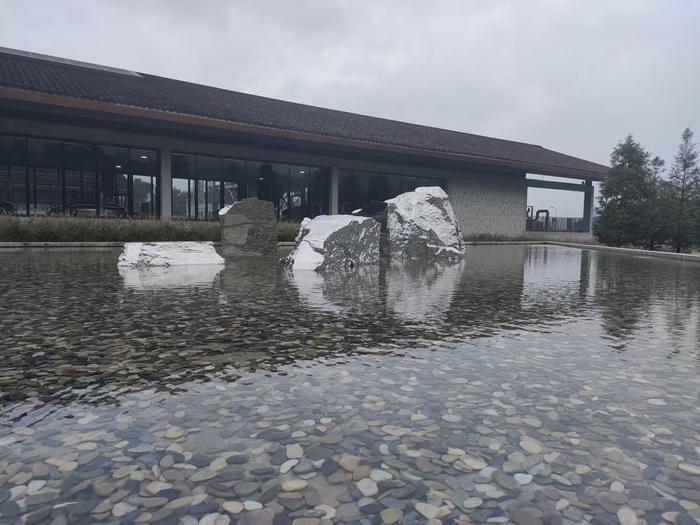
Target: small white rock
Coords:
[[234, 507], [427, 510], [627, 516], [368, 487], [380, 475], [288, 465], [523, 479], [295, 451]]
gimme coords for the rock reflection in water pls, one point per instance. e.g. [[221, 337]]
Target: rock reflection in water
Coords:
[[526, 385], [159, 277], [413, 293], [339, 291]]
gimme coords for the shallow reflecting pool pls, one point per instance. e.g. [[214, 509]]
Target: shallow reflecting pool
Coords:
[[528, 384]]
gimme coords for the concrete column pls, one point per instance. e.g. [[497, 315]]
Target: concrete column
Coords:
[[335, 183], [165, 185], [588, 207]]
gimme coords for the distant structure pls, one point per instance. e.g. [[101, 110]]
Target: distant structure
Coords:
[[91, 140]]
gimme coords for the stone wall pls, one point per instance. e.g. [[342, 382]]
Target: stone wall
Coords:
[[489, 204]]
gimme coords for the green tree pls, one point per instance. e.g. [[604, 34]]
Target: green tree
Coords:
[[630, 198], [684, 184]]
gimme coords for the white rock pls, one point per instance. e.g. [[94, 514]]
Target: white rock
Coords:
[[288, 465], [656, 402], [616, 486], [394, 430], [627, 516], [214, 519], [294, 485], [154, 487], [692, 469], [422, 225], [368, 487], [530, 445], [252, 505], [472, 503], [330, 512], [523, 479], [427, 510], [335, 242], [121, 509], [295, 451], [149, 254], [234, 507], [380, 475], [562, 504]]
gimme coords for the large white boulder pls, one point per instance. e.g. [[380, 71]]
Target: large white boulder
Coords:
[[421, 224], [148, 254], [334, 242]]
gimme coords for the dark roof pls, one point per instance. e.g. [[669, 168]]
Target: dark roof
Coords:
[[50, 75]]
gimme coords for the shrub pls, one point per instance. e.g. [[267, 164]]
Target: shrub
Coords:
[[67, 229], [287, 231]]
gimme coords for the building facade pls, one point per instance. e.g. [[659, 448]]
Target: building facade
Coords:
[[89, 140]]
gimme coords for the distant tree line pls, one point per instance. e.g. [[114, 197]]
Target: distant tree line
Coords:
[[640, 205]]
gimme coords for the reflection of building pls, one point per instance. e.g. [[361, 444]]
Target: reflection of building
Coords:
[[89, 139]]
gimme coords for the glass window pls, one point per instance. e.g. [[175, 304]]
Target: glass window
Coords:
[[80, 188], [201, 199], [45, 191], [355, 190], [213, 199], [383, 187], [233, 177], [143, 196], [78, 156], [273, 186], [181, 198], [252, 178], [12, 150], [143, 162], [183, 166], [318, 191], [208, 168], [13, 190], [299, 193], [44, 153], [112, 164]]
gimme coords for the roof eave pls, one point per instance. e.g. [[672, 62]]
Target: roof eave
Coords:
[[207, 122]]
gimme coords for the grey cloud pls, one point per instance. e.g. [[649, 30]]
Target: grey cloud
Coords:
[[574, 76]]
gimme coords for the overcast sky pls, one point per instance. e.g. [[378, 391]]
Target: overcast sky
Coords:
[[574, 76]]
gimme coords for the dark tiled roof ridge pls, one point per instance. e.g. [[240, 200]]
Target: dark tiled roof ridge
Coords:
[[342, 111], [86, 81]]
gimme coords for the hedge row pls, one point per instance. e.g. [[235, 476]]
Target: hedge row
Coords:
[[64, 229]]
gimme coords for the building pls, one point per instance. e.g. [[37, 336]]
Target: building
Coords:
[[94, 140]]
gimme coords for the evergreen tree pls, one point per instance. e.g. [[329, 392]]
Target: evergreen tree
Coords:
[[630, 211], [684, 184]]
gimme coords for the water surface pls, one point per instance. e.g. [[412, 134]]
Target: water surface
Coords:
[[528, 384]]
